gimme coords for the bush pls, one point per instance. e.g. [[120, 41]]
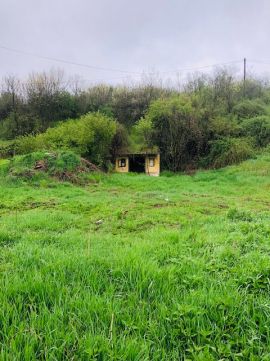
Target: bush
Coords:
[[120, 140], [176, 126], [63, 162], [249, 109], [258, 128], [90, 136], [62, 165], [7, 149], [224, 127], [28, 144], [227, 151]]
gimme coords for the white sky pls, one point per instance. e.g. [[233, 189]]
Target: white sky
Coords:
[[135, 36]]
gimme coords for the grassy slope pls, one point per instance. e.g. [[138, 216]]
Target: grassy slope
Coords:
[[178, 269]]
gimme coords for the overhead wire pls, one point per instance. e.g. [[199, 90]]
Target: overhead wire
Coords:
[[127, 72], [66, 61]]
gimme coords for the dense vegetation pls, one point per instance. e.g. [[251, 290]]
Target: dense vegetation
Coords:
[[90, 136], [131, 267], [98, 266], [213, 121]]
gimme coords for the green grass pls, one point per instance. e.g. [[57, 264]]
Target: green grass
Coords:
[[132, 267]]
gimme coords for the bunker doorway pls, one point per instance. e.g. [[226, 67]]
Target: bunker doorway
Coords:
[[137, 164]]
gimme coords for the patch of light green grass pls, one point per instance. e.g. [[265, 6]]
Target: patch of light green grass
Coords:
[[132, 267]]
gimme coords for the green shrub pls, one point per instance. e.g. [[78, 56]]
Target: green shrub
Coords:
[[249, 109], [28, 160], [120, 139], [63, 162], [228, 151], [7, 149], [258, 128], [90, 136], [224, 126], [28, 144], [176, 125], [64, 165]]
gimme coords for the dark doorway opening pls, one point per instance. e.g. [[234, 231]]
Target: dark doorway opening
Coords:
[[137, 164]]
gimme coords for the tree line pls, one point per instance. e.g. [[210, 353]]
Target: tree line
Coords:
[[214, 120], [33, 105]]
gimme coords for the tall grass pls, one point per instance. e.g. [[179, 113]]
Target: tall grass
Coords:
[[137, 268]]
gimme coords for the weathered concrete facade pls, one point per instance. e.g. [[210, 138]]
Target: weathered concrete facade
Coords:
[[121, 164], [148, 163]]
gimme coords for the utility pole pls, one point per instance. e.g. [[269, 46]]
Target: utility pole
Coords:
[[245, 75]]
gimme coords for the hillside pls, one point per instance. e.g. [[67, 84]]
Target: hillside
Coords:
[[211, 121], [131, 267]]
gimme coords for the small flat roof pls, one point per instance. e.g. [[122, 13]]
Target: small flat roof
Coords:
[[143, 152], [137, 153]]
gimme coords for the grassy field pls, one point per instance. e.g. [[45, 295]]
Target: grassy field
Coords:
[[132, 267]]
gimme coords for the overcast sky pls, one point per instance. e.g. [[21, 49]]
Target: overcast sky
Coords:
[[133, 36]]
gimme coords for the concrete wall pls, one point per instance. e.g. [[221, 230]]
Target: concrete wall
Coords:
[[121, 169], [152, 165]]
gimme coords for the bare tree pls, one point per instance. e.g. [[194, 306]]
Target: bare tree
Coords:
[[11, 91], [43, 92]]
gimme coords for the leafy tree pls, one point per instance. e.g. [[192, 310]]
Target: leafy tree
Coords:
[[90, 136], [249, 109], [97, 98], [120, 140], [130, 104], [47, 98], [11, 105], [142, 134], [227, 151], [223, 126], [258, 128], [177, 131]]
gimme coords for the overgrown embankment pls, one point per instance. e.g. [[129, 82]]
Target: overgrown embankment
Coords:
[[63, 166]]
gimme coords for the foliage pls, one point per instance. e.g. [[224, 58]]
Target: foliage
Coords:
[[120, 140], [224, 126], [64, 165], [176, 129], [136, 268], [249, 109], [6, 149], [183, 122], [97, 98], [227, 151], [130, 104], [34, 105], [258, 128], [90, 136], [142, 134]]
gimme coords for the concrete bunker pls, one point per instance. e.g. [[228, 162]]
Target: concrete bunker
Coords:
[[143, 162]]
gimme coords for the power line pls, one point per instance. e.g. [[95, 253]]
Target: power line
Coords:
[[65, 61], [178, 70]]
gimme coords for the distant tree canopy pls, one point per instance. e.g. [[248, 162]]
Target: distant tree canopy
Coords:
[[46, 98], [176, 125], [211, 122], [249, 108]]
